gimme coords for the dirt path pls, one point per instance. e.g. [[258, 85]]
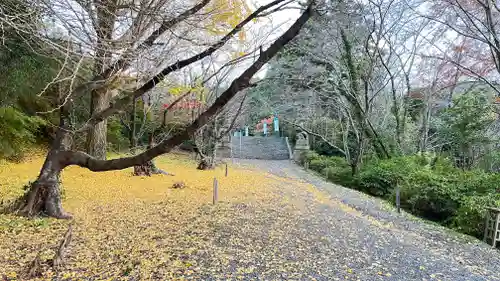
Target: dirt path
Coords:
[[273, 221], [327, 232]]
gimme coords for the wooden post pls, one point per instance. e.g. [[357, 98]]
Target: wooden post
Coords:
[[486, 224], [492, 226], [496, 231], [398, 199], [240, 145], [216, 191], [231, 147], [226, 169]]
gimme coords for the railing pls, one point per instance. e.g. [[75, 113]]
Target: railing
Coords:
[[492, 227]]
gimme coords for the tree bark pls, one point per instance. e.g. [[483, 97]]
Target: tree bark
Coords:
[[132, 132], [44, 194], [149, 168], [100, 98], [96, 137], [352, 95]]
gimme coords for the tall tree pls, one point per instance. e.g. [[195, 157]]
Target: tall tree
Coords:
[[44, 193]]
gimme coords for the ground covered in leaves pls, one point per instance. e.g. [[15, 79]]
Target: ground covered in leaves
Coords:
[[273, 222]]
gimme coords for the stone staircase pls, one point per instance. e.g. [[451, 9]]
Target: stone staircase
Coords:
[[268, 148]]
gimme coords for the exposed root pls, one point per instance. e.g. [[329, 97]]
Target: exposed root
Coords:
[[41, 198], [20, 205], [35, 268], [205, 164], [148, 169], [179, 184], [59, 257]]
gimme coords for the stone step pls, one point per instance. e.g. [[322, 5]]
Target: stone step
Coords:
[[271, 148]]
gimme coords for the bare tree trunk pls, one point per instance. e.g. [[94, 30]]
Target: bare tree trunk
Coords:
[[352, 95], [44, 195], [149, 168], [132, 132], [424, 130], [208, 161], [356, 161], [96, 138]]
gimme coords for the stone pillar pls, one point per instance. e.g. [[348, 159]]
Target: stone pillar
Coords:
[[301, 146]]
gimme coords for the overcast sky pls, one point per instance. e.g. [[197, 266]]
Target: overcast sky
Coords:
[[269, 29]]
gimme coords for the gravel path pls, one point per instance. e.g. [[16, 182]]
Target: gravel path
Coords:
[[321, 231]]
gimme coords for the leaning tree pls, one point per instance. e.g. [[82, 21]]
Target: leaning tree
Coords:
[[43, 196]]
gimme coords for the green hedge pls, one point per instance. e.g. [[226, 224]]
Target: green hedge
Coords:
[[469, 218], [430, 187], [17, 132]]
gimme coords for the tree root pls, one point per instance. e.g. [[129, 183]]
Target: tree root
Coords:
[[41, 198], [59, 257], [35, 268], [149, 169], [205, 164]]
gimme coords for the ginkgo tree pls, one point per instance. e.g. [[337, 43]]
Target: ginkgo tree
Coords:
[[138, 47], [123, 37]]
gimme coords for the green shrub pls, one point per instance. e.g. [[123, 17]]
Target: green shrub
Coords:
[[321, 162], [430, 195], [430, 187], [17, 131], [444, 165], [470, 215], [379, 178], [335, 169], [117, 140], [478, 182], [340, 174], [308, 156]]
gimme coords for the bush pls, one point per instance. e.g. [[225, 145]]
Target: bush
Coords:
[[478, 182], [321, 162], [335, 169], [17, 131], [444, 165], [308, 156], [340, 174], [431, 195], [379, 178], [470, 215], [430, 187], [117, 140]]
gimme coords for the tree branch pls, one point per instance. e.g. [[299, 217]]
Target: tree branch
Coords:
[[122, 62], [67, 158], [231, 125], [120, 103], [317, 135]]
